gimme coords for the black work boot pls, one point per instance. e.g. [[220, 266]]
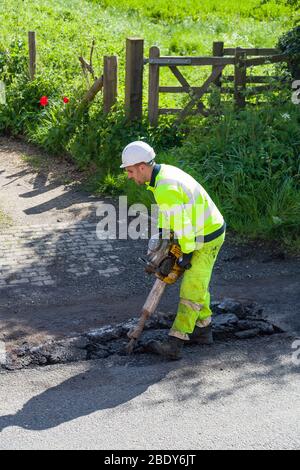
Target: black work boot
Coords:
[[202, 335], [170, 349]]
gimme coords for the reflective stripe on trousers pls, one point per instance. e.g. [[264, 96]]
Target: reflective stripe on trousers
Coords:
[[194, 305]]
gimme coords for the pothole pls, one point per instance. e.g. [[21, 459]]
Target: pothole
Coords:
[[232, 320]]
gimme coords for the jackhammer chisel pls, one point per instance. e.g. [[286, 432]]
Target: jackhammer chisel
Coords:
[[148, 309], [161, 261]]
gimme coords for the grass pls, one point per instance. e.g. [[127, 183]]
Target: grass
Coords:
[[65, 29]]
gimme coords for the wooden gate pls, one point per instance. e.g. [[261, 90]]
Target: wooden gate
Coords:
[[218, 62], [196, 93]]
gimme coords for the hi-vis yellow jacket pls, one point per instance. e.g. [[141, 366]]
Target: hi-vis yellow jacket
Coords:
[[184, 207]]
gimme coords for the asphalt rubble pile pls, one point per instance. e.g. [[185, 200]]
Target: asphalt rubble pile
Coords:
[[231, 320]]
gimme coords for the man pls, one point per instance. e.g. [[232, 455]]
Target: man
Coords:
[[186, 208]]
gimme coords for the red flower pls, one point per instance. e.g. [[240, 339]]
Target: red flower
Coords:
[[65, 99], [44, 101]]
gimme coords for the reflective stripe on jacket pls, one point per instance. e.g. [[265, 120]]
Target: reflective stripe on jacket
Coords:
[[184, 205]]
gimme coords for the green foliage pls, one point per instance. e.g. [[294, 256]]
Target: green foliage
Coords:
[[23, 111], [101, 138], [289, 43], [13, 61], [110, 184], [161, 10]]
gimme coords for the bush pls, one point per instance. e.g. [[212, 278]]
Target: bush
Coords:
[[289, 43]]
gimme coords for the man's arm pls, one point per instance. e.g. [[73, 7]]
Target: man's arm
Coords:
[[173, 215]]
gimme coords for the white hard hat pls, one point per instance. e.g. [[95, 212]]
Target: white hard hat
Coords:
[[137, 152]]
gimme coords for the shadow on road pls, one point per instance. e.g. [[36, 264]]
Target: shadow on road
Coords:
[[46, 174], [206, 374], [93, 390]]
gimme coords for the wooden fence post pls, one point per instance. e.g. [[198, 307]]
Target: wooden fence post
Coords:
[[240, 78], [110, 82], [32, 54], [218, 51], [134, 78], [153, 99]]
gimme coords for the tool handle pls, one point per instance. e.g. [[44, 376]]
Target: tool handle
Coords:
[[148, 308], [154, 296], [137, 331]]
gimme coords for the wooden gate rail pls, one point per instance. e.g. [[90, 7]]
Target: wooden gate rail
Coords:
[[272, 59], [255, 78], [179, 61], [251, 51]]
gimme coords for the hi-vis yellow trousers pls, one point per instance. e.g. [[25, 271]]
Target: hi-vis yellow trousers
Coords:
[[194, 305]]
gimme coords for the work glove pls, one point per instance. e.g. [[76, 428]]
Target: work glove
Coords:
[[184, 261], [173, 276]]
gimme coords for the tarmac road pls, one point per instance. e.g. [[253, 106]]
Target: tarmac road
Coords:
[[238, 395]]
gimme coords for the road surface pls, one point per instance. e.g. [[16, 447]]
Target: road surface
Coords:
[[238, 395]]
